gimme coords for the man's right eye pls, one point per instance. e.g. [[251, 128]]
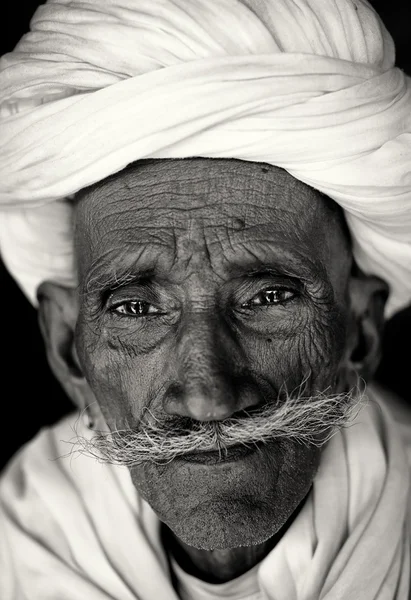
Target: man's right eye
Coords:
[[135, 308], [269, 297]]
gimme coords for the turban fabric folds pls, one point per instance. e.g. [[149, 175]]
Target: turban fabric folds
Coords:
[[307, 85]]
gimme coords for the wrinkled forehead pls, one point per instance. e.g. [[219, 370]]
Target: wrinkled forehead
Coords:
[[205, 187], [155, 201]]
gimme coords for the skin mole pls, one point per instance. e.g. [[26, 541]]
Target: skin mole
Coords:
[[238, 223]]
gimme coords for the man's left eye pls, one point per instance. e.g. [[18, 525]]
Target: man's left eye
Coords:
[[272, 296], [136, 308]]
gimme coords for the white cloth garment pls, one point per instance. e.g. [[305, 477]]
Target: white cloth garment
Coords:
[[72, 528], [244, 587], [307, 85]]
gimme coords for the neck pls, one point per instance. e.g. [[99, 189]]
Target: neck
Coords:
[[216, 566], [220, 565]]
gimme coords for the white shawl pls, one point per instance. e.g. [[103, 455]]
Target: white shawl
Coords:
[[73, 529]]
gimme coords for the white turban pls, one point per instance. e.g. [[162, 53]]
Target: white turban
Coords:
[[307, 85]]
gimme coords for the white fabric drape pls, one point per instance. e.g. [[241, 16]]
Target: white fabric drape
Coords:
[[308, 85], [73, 528]]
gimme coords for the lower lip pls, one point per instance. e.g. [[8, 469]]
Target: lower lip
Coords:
[[214, 458]]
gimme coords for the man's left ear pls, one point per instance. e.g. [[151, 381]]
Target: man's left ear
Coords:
[[368, 296]]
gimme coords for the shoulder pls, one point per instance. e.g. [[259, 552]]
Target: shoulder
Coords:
[[49, 477], [51, 464], [55, 505], [41, 458], [34, 492]]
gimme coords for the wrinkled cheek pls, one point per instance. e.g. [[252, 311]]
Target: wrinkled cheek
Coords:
[[119, 383], [309, 360], [276, 362], [323, 348], [111, 386]]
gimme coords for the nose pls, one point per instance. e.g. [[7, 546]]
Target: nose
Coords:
[[210, 367]]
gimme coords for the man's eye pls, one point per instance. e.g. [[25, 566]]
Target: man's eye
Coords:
[[136, 308], [272, 296]]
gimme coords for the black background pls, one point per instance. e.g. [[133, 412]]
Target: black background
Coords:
[[31, 397]]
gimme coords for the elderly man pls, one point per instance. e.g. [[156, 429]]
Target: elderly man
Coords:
[[210, 204]]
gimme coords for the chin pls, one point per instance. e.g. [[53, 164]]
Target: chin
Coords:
[[240, 503], [223, 525]]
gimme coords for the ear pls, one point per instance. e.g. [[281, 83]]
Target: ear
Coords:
[[367, 298], [58, 311]]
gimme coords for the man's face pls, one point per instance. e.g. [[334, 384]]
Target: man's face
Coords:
[[206, 287]]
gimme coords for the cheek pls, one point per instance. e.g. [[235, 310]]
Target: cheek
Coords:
[[312, 355], [123, 383], [321, 349]]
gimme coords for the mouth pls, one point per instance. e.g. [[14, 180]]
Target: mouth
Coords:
[[214, 457]]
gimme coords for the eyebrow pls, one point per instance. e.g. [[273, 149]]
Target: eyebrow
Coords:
[[294, 270], [103, 278], [104, 282], [278, 260]]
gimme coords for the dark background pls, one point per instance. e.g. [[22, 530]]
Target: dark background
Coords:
[[31, 397]]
